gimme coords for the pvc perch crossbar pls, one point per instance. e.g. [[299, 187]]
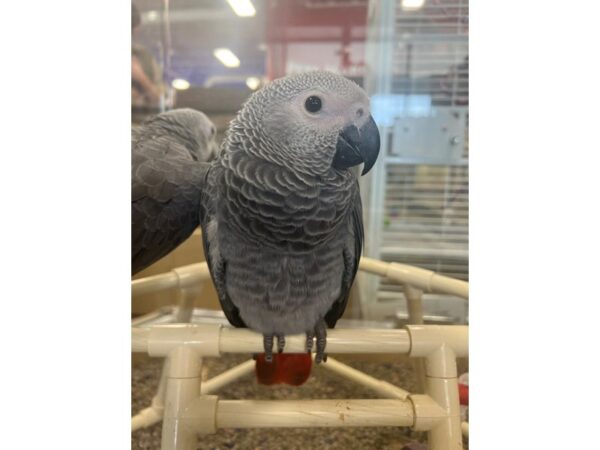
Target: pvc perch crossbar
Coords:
[[423, 279], [192, 275], [153, 414], [214, 339], [180, 277], [313, 413]]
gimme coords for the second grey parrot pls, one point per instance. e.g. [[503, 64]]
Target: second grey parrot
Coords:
[[167, 174], [282, 218]]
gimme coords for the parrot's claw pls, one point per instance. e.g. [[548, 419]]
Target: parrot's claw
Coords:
[[310, 335], [268, 345], [280, 342], [320, 332]]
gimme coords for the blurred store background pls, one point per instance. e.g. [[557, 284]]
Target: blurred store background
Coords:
[[412, 58]]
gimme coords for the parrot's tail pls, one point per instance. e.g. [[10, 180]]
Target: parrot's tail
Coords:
[[286, 368]]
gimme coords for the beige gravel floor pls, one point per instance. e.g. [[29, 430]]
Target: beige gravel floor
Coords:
[[321, 384]]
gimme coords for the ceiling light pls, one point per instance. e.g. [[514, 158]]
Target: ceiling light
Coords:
[[227, 57], [152, 16], [412, 5], [253, 83], [243, 8], [180, 84]]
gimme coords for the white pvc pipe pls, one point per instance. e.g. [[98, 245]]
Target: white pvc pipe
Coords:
[[213, 340], [237, 340], [182, 385], [153, 414], [150, 317], [447, 434], [428, 413], [427, 338], [441, 386], [383, 388], [421, 278], [146, 417], [313, 413], [139, 339], [154, 283], [228, 377], [181, 277], [465, 428], [185, 304], [414, 306]]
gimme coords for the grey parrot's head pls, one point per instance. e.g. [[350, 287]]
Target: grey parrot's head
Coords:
[[194, 128], [310, 122]]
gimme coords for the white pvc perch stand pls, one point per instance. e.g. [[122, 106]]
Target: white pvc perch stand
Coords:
[[185, 407]]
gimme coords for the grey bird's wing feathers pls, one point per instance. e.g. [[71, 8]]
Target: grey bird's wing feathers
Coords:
[[351, 260], [167, 181], [165, 202], [218, 270], [216, 264]]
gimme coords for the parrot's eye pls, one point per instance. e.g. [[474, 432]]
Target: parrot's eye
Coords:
[[212, 131], [313, 104]]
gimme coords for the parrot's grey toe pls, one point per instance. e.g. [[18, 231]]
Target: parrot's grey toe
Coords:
[[280, 342], [321, 334], [268, 345], [310, 335]]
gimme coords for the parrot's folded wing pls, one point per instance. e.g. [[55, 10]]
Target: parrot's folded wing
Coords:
[[217, 265], [352, 255], [166, 196]]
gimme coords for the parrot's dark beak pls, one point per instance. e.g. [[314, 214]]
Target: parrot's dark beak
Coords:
[[357, 145]]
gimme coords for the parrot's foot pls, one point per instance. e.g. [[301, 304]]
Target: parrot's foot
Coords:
[[320, 332], [268, 345], [280, 342]]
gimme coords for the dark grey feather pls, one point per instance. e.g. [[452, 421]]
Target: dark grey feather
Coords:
[[352, 256], [167, 182]]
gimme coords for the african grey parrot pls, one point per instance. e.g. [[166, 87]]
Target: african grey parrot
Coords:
[[167, 174], [281, 214]]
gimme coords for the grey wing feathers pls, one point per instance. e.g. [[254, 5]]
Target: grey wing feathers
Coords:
[[218, 272], [351, 260], [217, 266], [165, 204]]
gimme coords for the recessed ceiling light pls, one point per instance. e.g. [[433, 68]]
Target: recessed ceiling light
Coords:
[[227, 57], [243, 8], [152, 16], [412, 5], [180, 84], [253, 83]]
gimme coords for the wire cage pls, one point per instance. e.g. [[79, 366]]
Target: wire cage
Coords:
[[416, 198]]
